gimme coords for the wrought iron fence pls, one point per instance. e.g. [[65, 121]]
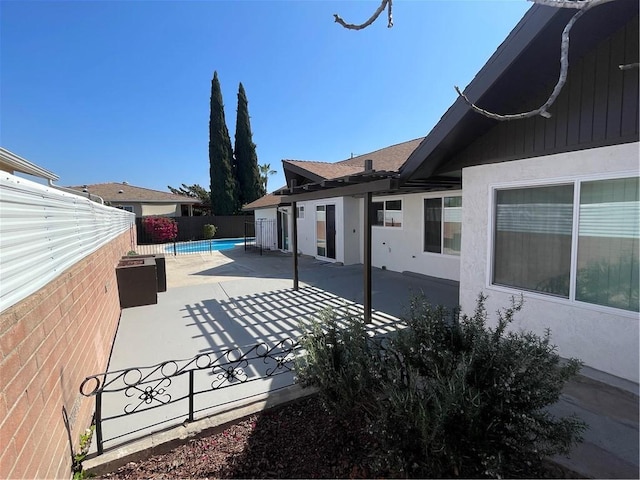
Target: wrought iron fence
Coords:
[[192, 228], [141, 389], [187, 248], [261, 235]]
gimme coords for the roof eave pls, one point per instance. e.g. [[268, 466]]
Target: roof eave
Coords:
[[19, 164], [529, 27]]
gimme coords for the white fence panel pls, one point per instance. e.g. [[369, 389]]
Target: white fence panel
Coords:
[[44, 231]]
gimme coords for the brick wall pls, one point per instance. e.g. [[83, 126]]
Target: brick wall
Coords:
[[49, 342]]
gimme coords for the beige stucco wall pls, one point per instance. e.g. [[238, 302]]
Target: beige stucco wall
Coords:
[[604, 338], [161, 209]]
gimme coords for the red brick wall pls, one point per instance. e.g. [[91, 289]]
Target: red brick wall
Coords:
[[49, 342]]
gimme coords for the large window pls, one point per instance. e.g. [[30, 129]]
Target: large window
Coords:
[[443, 225], [586, 250], [387, 213], [607, 263]]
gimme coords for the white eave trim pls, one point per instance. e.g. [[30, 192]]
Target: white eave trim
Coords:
[[21, 165]]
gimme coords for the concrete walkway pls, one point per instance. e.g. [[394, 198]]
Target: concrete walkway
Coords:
[[235, 298]]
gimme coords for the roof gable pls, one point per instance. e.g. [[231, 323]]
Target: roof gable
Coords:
[[388, 159], [524, 65]]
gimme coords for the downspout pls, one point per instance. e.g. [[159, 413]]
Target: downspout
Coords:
[[76, 192]]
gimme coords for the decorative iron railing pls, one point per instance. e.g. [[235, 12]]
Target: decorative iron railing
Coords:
[[146, 388]]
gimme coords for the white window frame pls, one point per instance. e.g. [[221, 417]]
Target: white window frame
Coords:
[[441, 196], [126, 208], [576, 181], [384, 201], [300, 211]]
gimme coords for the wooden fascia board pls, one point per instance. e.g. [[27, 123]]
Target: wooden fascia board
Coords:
[[516, 42], [384, 185]]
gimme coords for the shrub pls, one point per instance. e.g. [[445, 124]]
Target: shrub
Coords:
[[160, 229], [339, 360], [210, 231], [448, 396]]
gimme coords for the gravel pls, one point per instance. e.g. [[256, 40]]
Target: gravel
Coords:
[[297, 440]]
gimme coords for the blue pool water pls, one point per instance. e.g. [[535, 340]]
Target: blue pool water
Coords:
[[206, 245]]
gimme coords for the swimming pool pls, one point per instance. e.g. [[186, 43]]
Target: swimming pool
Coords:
[[206, 245]]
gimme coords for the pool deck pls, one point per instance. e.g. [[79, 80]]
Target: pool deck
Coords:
[[236, 297]]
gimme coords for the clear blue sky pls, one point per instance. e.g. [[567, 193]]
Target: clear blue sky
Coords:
[[102, 91]]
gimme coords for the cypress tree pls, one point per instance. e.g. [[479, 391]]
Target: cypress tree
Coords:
[[223, 196], [247, 173]]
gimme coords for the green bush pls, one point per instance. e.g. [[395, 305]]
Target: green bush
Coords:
[[210, 231], [448, 396], [339, 360]]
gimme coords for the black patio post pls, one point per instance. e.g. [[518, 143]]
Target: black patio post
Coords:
[[294, 238], [367, 257]]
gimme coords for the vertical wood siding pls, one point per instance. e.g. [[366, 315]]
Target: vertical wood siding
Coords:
[[598, 106]]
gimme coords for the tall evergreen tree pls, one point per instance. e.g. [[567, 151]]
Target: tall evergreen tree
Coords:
[[223, 195], [247, 173]]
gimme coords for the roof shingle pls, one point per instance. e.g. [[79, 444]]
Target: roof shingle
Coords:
[[123, 192], [388, 159]]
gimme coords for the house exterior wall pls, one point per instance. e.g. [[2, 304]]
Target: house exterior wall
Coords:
[[49, 342], [137, 208], [400, 249], [307, 234], [604, 338], [394, 248], [598, 106], [160, 209], [352, 228]]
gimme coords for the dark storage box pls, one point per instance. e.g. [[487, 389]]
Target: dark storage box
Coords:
[[161, 268], [137, 282]]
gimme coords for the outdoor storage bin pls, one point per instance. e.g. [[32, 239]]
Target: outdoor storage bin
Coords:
[[137, 282], [161, 268]]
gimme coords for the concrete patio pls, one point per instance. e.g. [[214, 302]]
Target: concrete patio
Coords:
[[235, 298], [230, 299]]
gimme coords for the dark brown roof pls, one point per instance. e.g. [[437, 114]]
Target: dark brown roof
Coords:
[[324, 170], [388, 159], [123, 192], [269, 200]]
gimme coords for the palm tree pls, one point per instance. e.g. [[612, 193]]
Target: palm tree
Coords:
[[265, 172]]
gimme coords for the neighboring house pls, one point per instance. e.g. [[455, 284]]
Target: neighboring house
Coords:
[[12, 163], [143, 202], [547, 208]]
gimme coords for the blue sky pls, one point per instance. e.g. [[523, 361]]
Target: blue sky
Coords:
[[102, 91]]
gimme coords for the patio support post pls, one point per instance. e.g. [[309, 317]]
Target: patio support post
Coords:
[[367, 257], [294, 243], [294, 237]]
